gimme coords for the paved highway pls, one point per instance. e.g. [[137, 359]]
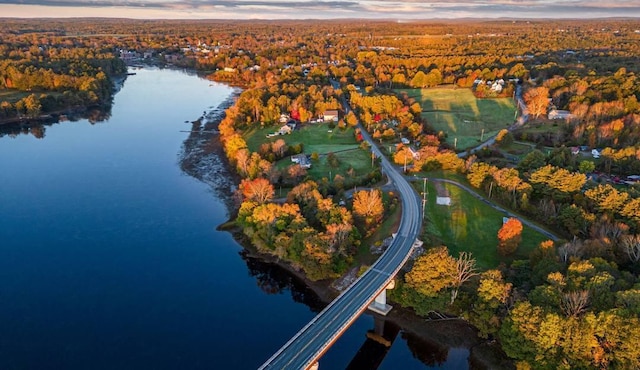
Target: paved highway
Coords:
[[313, 340]]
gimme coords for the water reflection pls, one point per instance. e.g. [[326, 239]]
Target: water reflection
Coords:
[[273, 279], [428, 352], [38, 128]]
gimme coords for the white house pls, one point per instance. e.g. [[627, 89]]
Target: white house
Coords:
[[331, 115], [559, 114], [595, 153]]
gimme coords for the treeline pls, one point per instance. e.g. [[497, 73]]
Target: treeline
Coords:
[[572, 304], [41, 73]]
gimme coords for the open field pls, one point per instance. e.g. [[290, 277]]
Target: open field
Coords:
[[470, 225], [319, 139], [457, 113], [315, 137]]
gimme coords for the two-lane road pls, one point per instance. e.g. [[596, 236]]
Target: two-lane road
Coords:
[[313, 340]]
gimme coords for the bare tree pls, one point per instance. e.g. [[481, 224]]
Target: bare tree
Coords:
[[570, 249], [279, 147], [574, 303], [465, 270], [631, 245]]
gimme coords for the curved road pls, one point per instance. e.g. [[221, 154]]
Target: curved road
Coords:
[[313, 340]]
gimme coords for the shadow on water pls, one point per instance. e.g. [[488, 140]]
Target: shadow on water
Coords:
[[273, 279], [428, 352]]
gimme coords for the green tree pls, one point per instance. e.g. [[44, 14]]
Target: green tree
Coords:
[[532, 161], [586, 167]]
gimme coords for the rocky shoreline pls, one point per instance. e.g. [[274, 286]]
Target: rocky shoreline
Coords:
[[203, 158]]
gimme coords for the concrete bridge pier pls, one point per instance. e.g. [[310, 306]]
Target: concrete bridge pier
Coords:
[[379, 305]]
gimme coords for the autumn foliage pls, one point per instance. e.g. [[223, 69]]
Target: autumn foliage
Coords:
[[258, 190], [368, 208], [509, 236]]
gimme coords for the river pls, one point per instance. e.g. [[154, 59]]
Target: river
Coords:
[[110, 257]]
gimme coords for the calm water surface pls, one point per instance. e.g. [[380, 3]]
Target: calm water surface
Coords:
[[109, 257]]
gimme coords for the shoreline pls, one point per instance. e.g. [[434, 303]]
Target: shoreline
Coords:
[[443, 334]]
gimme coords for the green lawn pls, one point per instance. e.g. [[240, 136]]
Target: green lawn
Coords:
[[355, 158], [470, 225], [457, 112], [318, 138], [315, 137]]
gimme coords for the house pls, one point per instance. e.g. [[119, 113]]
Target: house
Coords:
[[595, 153], [330, 115], [302, 160], [497, 85], [405, 141], [575, 150], [559, 114], [414, 153], [285, 130]]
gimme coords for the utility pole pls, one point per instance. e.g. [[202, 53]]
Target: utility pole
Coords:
[[424, 196], [405, 162], [482, 136]]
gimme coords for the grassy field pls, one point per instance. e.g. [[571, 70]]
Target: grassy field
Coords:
[[319, 139], [470, 225], [460, 115], [316, 138]]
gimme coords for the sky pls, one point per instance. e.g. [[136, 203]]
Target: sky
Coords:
[[319, 9]]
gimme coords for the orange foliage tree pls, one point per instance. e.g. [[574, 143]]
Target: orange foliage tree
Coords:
[[509, 236], [258, 190], [537, 100], [368, 206]]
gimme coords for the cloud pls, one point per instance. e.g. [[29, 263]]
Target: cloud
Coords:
[[277, 9]]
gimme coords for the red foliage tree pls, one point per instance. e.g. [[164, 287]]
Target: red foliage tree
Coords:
[[509, 236]]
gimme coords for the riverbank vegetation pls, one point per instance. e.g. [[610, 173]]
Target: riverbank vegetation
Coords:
[[571, 302], [44, 72]]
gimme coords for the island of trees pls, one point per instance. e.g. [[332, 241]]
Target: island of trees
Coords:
[[549, 270]]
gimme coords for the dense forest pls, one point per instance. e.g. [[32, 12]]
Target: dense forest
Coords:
[[573, 303]]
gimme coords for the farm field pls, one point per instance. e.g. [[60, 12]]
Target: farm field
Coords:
[[470, 225], [460, 115]]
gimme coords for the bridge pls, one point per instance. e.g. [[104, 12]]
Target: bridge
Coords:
[[314, 339]]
